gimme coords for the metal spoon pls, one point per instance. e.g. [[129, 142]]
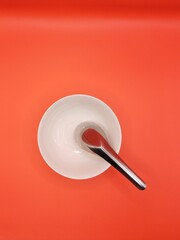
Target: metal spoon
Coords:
[[98, 144]]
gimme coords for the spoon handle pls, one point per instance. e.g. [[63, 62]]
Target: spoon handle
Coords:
[[112, 158]]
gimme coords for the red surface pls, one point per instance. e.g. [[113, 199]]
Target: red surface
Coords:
[[131, 61], [95, 3]]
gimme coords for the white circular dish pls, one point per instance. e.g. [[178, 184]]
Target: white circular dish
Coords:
[[57, 138]]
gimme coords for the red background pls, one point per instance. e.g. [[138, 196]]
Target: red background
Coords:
[[128, 55]]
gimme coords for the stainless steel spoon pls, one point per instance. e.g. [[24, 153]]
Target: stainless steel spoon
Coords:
[[98, 144]]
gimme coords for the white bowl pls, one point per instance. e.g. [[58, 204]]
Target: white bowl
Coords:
[[57, 138]]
